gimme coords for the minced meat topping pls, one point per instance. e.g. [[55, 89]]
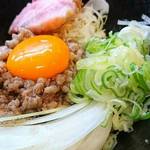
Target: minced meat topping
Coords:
[[19, 96]]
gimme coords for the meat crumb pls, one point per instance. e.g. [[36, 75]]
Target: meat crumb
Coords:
[[13, 105], [53, 89], [38, 88], [17, 38], [4, 52], [52, 104], [60, 79]]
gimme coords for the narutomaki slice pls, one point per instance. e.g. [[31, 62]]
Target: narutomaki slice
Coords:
[[44, 16]]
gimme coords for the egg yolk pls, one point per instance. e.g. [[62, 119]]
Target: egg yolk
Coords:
[[39, 56]]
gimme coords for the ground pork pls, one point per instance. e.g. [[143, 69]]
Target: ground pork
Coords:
[[19, 96]]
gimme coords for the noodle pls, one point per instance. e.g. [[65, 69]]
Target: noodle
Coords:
[[85, 25]]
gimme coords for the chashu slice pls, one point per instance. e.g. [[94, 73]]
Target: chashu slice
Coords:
[[44, 16]]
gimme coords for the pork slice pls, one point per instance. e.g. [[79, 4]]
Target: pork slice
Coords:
[[43, 16]]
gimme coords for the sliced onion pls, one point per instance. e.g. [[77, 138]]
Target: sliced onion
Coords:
[[60, 114], [56, 135], [27, 116], [146, 18]]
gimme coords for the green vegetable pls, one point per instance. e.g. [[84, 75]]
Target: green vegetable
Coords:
[[96, 44], [116, 72]]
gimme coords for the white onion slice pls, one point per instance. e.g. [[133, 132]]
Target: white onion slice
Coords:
[[146, 18], [56, 135], [60, 114], [30, 115]]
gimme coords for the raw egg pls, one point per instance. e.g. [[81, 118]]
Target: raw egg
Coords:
[[39, 56]]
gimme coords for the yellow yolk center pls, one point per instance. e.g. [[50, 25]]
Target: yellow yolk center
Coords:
[[39, 56]]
